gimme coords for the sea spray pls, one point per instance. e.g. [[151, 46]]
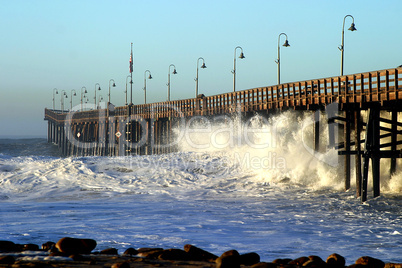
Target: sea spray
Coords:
[[274, 148]]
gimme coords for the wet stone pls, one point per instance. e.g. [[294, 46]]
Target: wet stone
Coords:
[[335, 261], [8, 246], [70, 245], [370, 262], [7, 260], [199, 254], [48, 245], [299, 261], [249, 258], [130, 252], [109, 251], [174, 254]]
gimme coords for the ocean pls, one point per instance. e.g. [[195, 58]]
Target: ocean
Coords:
[[262, 190]]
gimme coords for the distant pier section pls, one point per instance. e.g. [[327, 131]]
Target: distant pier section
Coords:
[[148, 128]]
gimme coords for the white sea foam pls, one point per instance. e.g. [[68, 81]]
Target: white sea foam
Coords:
[[235, 191]]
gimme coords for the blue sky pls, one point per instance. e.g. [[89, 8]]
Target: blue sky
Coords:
[[71, 44]]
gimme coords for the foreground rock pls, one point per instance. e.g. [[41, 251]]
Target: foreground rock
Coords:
[[75, 252], [68, 245]]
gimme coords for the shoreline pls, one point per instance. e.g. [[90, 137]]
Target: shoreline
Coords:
[[78, 252]]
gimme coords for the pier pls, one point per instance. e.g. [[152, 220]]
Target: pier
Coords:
[[148, 128]]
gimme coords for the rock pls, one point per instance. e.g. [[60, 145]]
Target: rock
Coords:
[[228, 262], [148, 249], [265, 265], [393, 265], [315, 261], [30, 247], [7, 259], [315, 264], [174, 254], [109, 251], [335, 261], [130, 252], [150, 253], [121, 265], [299, 261], [198, 254], [282, 261], [70, 245], [249, 258], [357, 266], [48, 245], [8, 246], [232, 252], [79, 257], [370, 262], [315, 258], [229, 259]]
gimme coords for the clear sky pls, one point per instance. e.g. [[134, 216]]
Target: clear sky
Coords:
[[71, 44]]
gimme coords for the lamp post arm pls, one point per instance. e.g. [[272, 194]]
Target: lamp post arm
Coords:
[[342, 47]]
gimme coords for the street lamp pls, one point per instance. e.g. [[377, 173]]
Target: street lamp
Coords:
[[82, 95], [114, 85], [53, 95], [62, 99], [71, 99], [145, 84], [234, 66], [100, 99], [342, 47], [168, 84], [203, 66], [99, 88], [126, 87], [278, 61]]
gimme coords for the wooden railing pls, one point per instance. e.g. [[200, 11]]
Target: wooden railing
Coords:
[[376, 86]]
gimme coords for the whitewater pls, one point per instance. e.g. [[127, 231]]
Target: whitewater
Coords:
[[261, 191]]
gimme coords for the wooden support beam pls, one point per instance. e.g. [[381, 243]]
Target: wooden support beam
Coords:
[[375, 159], [366, 156], [394, 137], [347, 148], [385, 120], [331, 114], [358, 162], [317, 131]]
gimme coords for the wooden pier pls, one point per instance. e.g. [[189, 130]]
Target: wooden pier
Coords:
[[147, 128]]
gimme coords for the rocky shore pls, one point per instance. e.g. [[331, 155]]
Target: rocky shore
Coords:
[[76, 252]]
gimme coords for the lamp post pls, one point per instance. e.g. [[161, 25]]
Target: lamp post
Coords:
[[100, 99], [278, 61], [99, 88], [168, 83], [203, 66], [114, 85], [131, 74], [234, 66], [71, 99], [53, 96], [82, 95], [62, 99], [342, 47], [145, 84], [126, 88]]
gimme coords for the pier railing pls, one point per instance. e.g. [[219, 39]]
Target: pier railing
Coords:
[[362, 88]]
